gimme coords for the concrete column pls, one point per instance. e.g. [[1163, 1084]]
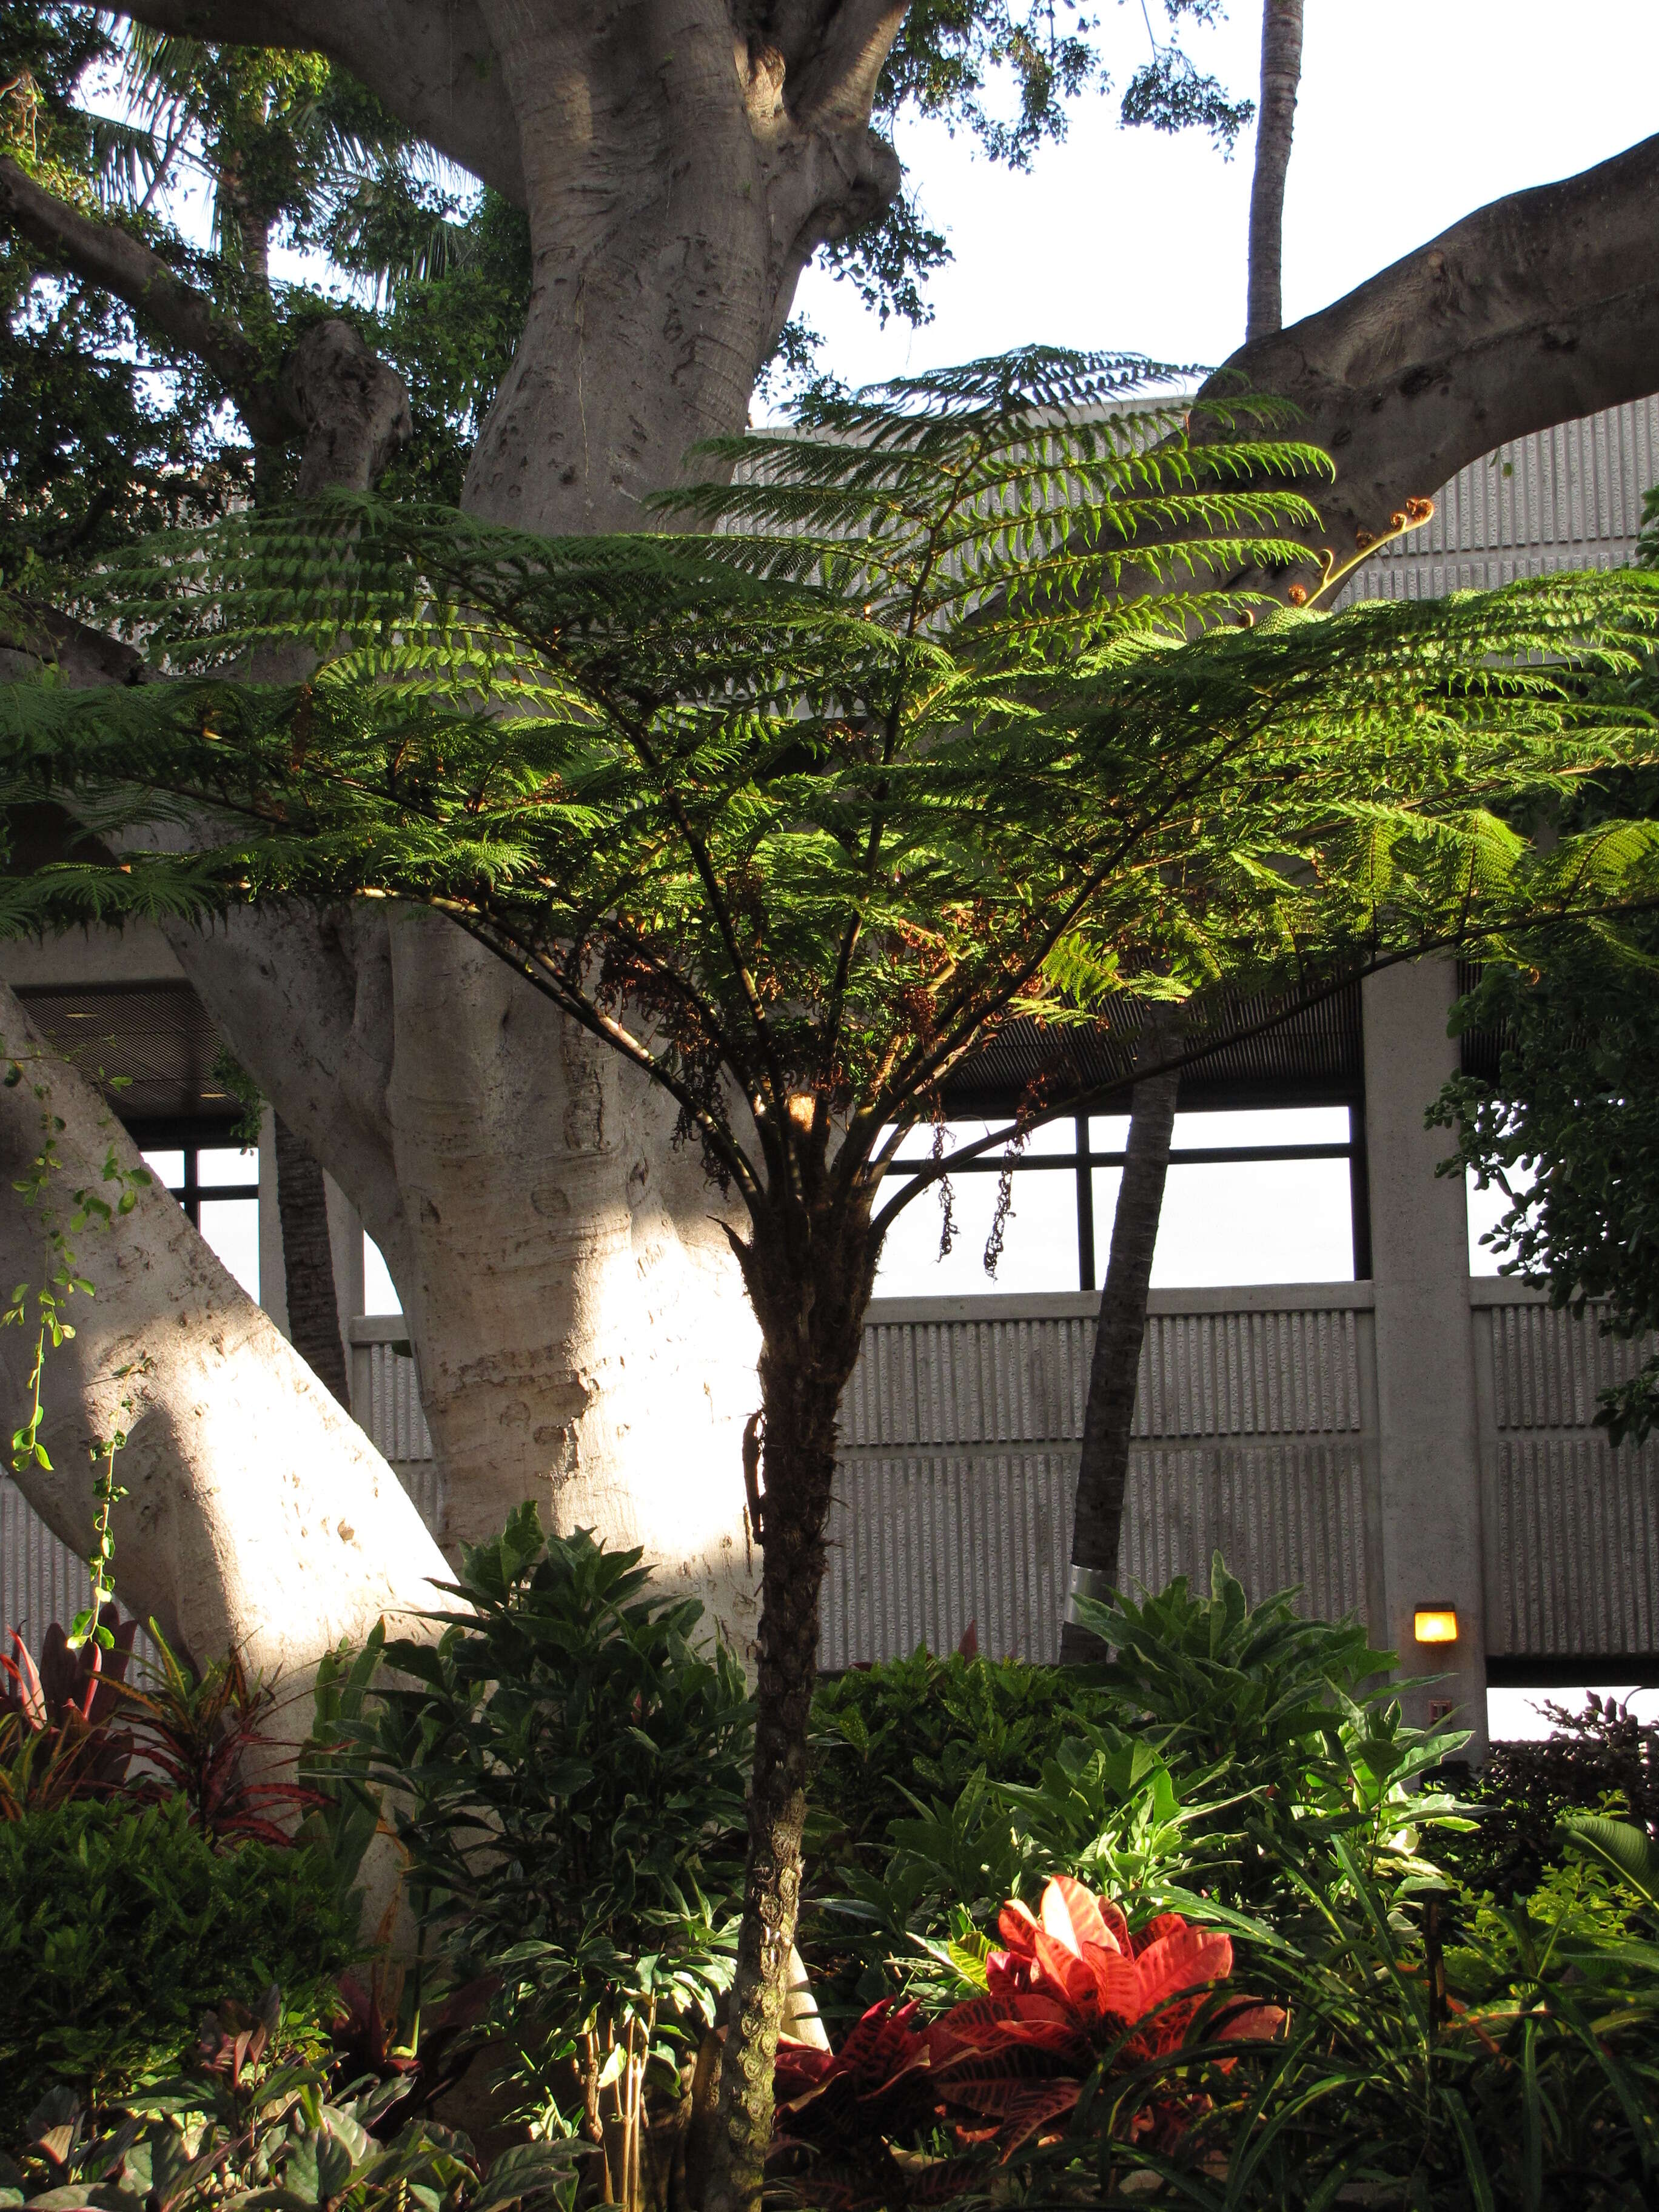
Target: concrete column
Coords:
[[1427, 1424], [273, 1275]]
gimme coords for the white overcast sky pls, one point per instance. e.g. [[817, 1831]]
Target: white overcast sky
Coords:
[[1412, 112]]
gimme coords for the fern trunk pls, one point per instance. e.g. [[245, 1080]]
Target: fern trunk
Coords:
[[811, 1307]]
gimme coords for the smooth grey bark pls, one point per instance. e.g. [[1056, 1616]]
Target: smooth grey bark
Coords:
[[1537, 309], [1120, 1331], [258, 1516], [677, 175], [578, 1331], [313, 1312], [1275, 124]]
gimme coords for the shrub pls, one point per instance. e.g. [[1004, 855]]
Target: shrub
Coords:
[[883, 1734], [256, 2122], [1521, 1793], [119, 1927], [570, 1767]]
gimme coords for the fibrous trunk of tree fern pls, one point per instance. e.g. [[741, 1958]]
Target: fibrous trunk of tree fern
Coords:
[[1109, 1419], [811, 1309]]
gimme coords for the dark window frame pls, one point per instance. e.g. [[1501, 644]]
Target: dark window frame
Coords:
[[1083, 1158], [193, 1190]]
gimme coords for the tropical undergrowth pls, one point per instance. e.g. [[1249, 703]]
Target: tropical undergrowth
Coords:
[[1207, 1920]]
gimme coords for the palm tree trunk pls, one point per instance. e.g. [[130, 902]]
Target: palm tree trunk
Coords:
[[1281, 71], [313, 1312], [1104, 1467]]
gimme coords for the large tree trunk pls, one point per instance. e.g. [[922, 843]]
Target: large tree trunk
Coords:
[[1120, 1331], [259, 1518], [1281, 72], [1540, 308], [677, 177], [578, 1327]]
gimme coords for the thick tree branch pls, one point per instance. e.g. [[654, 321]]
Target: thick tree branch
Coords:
[[1540, 308], [348, 406], [112, 258], [431, 61]]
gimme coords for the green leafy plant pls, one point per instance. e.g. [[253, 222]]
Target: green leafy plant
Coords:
[[118, 1927], [569, 1761], [198, 1734], [43, 1307], [924, 1724], [1074, 2000], [1515, 2068], [1629, 1853], [257, 2122]]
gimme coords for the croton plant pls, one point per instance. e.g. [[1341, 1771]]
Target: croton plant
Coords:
[[1073, 1995]]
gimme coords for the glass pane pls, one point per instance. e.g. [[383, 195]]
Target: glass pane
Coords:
[[1039, 1250], [1053, 1138], [167, 1168], [221, 1164], [1271, 1125], [379, 1292], [231, 1227], [1260, 1221], [1107, 1133], [1487, 1209]]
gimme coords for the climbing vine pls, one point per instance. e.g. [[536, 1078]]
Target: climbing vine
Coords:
[[44, 1308]]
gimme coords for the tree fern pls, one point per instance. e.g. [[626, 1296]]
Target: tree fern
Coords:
[[968, 704]]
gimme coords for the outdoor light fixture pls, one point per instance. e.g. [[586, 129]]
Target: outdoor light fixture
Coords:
[[1435, 1624]]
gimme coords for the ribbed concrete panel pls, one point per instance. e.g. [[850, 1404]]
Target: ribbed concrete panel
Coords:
[[41, 1579], [1248, 1374], [920, 1544], [386, 1399], [1549, 1366], [1569, 497], [1280, 1515], [1577, 1547], [948, 1382], [1026, 1381], [421, 1479]]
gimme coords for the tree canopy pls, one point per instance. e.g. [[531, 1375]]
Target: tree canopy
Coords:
[[947, 724]]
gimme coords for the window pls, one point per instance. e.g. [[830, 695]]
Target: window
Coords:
[[218, 1186], [1270, 1195], [379, 1292]]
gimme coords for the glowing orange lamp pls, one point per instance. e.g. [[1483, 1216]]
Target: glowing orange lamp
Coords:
[[1435, 1624]]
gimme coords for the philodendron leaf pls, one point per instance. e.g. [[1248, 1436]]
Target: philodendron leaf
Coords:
[[1624, 1850]]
